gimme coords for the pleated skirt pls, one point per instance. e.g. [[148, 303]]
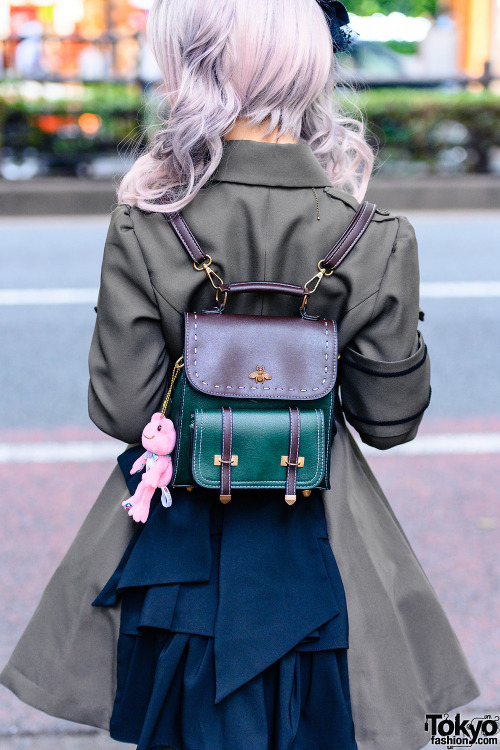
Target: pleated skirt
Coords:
[[233, 627]]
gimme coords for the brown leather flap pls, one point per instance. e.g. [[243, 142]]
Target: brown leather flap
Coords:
[[260, 356]]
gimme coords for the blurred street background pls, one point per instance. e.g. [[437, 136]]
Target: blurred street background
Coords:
[[78, 90]]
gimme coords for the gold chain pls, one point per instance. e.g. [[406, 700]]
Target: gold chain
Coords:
[[178, 366], [317, 203]]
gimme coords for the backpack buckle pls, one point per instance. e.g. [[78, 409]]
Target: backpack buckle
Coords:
[[233, 461], [285, 461], [211, 274], [222, 305], [303, 306], [322, 271], [305, 299]]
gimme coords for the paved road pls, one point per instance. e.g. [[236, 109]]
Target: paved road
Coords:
[[46, 345], [443, 489]]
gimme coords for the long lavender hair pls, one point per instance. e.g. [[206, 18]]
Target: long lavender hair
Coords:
[[267, 61]]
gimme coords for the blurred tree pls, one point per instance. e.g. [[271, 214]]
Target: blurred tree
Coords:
[[408, 7]]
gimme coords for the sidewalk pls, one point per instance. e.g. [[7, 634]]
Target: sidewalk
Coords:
[[70, 196], [100, 740], [91, 740]]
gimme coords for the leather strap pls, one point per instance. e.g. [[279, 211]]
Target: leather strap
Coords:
[[226, 455], [183, 232], [293, 456], [355, 229], [263, 286], [352, 233]]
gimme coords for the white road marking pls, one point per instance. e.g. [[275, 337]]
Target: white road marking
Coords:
[[439, 444], [78, 451], [442, 289], [58, 222], [82, 451], [78, 296], [48, 296]]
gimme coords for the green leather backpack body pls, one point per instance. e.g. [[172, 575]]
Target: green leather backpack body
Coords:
[[253, 407]]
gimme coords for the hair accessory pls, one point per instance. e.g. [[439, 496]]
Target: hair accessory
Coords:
[[337, 16]]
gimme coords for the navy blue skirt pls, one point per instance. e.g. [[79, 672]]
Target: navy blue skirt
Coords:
[[233, 629]]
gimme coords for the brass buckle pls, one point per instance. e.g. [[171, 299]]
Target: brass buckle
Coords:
[[286, 462], [211, 274], [317, 277], [222, 304], [323, 270], [233, 461]]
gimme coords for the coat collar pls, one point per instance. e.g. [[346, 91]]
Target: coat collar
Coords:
[[272, 164]]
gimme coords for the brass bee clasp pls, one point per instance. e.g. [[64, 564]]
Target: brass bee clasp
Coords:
[[260, 375]]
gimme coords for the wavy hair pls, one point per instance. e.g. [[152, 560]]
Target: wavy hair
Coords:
[[266, 61]]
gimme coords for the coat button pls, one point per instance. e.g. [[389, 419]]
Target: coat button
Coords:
[[382, 211]]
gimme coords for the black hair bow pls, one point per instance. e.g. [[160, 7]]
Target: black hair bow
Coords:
[[337, 16]]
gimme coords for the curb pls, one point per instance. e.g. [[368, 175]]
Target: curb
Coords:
[[56, 196], [461, 192], [60, 196]]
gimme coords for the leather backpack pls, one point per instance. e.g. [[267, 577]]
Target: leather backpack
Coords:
[[254, 406]]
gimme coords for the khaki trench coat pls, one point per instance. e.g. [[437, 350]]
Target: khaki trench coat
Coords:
[[258, 220]]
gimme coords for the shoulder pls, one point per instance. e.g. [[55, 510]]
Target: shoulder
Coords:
[[131, 224], [144, 239], [387, 250], [125, 239], [390, 229], [387, 228], [382, 214], [126, 214], [120, 225], [121, 215]]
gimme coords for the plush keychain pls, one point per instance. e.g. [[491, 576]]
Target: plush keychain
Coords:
[[158, 437]]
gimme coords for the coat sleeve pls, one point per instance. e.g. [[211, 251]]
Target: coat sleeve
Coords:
[[128, 360], [385, 368]]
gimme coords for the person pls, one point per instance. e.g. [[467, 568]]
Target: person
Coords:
[[253, 624]]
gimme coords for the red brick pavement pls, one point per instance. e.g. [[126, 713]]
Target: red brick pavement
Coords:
[[441, 501], [44, 505]]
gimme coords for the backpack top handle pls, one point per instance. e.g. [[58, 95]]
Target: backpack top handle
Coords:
[[263, 286]]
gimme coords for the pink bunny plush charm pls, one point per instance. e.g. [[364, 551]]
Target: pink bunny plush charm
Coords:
[[158, 437]]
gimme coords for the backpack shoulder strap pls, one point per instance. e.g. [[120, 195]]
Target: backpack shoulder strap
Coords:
[[185, 235], [352, 233]]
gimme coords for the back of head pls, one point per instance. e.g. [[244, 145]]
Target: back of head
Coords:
[[269, 62]]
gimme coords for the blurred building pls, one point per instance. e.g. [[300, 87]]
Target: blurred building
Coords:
[[478, 26], [72, 39], [91, 40]]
